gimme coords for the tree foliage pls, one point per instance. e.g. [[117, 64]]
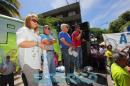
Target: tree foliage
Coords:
[[125, 16], [10, 8], [98, 33], [48, 20], [117, 25]]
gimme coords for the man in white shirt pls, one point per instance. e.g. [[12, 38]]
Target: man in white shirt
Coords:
[[29, 48]]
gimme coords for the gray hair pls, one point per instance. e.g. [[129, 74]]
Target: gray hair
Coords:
[[63, 26], [45, 26], [119, 55]]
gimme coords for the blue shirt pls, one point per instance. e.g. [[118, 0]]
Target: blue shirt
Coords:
[[67, 38], [47, 37], [44, 36]]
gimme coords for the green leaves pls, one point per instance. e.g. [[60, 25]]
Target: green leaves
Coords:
[[119, 24], [10, 8], [48, 20], [98, 33]]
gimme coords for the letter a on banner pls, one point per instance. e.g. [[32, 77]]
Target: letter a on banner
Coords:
[[123, 39]]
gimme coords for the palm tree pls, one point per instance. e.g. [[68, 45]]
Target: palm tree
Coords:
[[9, 7]]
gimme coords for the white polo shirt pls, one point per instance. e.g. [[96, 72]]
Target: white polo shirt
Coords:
[[30, 56]]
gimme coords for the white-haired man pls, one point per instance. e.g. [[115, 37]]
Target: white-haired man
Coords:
[[66, 43]]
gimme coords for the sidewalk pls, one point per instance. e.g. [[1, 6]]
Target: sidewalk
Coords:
[[85, 79], [109, 80], [18, 80]]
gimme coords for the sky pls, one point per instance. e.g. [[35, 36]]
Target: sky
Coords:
[[99, 13]]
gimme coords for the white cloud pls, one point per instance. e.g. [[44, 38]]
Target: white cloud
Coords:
[[123, 6], [87, 4], [114, 11], [59, 3], [95, 11], [86, 7], [107, 11]]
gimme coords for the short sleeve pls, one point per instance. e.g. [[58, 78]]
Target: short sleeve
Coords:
[[74, 36], [43, 36], [108, 54], [61, 35], [21, 36]]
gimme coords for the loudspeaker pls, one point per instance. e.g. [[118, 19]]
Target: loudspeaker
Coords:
[[85, 27], [85, 46]]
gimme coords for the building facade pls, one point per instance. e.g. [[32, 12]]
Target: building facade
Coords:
[[69, 14]]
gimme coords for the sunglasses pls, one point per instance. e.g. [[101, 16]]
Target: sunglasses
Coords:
[[67, 27], [47, 28], [34, 20]]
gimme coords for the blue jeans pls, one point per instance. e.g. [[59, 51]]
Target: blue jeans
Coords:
[[68, 62], [51, 63], [78, 60]]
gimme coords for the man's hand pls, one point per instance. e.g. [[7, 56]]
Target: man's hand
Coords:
[[73, 47], [81, 31], [54, 40], [41, 45], [128, 68], [51, 42], [127, 46]]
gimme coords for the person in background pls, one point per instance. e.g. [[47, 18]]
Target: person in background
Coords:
[[126, 49], [8, 70], [120, 75], [102, 57], [56, 58], [49, 40], [109, 57], [94, 56], [102, 48], [29, 49], [66, 43], [108, 54], [76, 40]]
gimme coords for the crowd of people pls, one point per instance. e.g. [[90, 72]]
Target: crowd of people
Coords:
[[36, 56], [115, 62]]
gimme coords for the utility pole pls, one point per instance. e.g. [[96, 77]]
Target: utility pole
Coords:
[[67, 2]]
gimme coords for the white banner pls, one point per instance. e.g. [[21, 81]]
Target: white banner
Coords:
[[117, 40]]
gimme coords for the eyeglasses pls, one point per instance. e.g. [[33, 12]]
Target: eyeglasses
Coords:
[[34, 20], [47, 28], [67, 27]]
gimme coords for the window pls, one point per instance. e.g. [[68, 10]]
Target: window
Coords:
[[71, 13], [10, 26], [59, 16]]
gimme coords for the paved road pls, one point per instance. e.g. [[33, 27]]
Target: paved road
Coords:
[[85, 79]]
